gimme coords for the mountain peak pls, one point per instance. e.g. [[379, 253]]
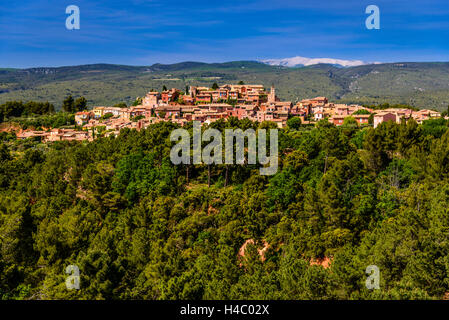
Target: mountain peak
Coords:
[[303, 61]]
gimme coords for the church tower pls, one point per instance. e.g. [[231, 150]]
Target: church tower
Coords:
[[272, 95]]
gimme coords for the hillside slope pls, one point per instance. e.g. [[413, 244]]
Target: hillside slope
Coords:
[[425, 85]]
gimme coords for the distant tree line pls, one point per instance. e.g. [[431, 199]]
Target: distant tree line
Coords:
[[20, 112], [19, 108]]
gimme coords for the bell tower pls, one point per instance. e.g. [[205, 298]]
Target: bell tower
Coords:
[[272, 95]]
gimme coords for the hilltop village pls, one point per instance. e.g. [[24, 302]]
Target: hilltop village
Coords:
[[220, 102]]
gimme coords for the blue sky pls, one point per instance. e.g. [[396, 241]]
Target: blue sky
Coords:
[[139, 32]]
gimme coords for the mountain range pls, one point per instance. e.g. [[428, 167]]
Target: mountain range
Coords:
[[303, 61], [421, 84]]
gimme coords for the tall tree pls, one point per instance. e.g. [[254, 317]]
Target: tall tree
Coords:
[[80, 104], [68, 105]]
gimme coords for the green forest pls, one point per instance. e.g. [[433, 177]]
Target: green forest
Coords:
[[139, 227]]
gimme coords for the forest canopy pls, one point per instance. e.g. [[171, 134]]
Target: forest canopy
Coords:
[[139, 227]]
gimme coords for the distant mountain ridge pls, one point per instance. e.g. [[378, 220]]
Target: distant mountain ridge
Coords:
[[420, 84], [303, 61]]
